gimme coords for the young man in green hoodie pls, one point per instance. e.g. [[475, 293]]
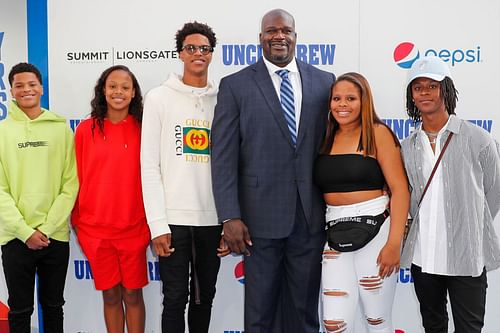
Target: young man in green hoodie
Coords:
[[38, 188]]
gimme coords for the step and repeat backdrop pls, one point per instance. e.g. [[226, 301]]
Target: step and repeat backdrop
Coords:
[[77, 40]]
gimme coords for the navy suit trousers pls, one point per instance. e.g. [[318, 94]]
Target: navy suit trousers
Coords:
[[282, 279]]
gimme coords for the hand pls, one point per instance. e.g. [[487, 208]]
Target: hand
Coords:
[[223, 250], [388, 260], [237, 237], [161, 245], [37, 241]]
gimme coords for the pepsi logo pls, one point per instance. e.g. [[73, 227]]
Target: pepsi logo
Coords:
[[405, 54], [239, 272]]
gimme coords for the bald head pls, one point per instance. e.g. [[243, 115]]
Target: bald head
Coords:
[[272, 14]]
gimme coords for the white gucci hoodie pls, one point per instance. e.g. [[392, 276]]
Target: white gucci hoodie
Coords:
[[175, 155]]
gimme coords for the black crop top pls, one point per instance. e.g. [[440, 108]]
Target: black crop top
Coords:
[[347, 173]]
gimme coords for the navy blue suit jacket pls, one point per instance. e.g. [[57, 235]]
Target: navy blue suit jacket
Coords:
[[257, 173]]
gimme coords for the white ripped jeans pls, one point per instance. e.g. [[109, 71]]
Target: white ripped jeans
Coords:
[[352, 277]]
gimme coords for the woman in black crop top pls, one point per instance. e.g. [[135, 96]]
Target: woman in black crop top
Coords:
[[360, 162]]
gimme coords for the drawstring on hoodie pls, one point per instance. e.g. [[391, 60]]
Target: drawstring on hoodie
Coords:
[[200, 95], [123, 131], [199, 101], [124, 123]]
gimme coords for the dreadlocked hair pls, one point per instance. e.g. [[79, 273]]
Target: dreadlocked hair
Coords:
[[448, 92], [99, 106]]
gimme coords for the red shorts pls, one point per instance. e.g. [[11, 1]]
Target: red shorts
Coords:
[[116, 261]]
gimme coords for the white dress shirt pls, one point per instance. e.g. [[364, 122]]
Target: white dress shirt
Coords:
[[431, 248]]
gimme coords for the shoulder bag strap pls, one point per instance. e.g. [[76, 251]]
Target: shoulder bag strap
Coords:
[[435, 167]]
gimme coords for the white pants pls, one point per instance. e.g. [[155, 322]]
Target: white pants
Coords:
[[350, 277]]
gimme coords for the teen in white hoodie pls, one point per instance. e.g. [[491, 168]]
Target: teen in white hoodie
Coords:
[[177, 186]]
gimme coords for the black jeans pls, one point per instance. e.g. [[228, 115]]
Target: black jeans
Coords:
[[467, 299], [190, 272], [20, 264]]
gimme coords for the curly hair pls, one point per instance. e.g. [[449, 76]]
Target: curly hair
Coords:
[[368, 117], [191, 28], [99, 106], [447, 91], [24, 67]]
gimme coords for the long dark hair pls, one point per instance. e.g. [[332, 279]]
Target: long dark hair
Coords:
[[368, 117], [448, 92], [99, 106]]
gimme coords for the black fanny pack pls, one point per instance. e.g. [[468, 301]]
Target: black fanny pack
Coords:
[[348, 234]]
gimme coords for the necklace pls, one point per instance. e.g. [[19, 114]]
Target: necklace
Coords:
[[432, 137], [432, 134]]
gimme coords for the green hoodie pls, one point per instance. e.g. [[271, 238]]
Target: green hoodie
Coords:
[[38, 178]]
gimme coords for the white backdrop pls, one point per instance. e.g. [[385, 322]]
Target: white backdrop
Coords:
[[375, 38]]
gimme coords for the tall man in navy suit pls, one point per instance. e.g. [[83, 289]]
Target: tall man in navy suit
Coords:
[[266, 134]]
